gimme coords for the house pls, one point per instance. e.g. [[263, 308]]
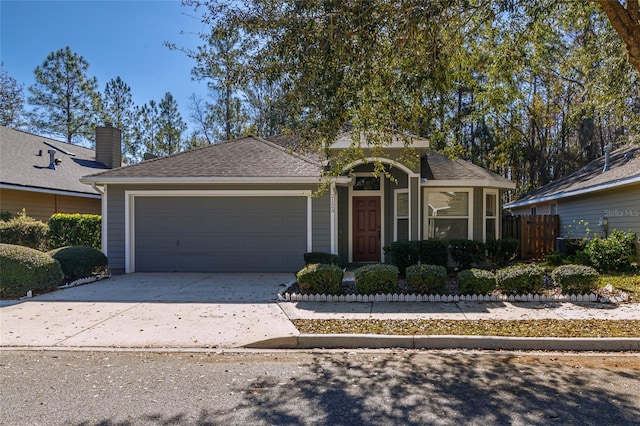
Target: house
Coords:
[[42, 175], [251, 204], [599, 197]]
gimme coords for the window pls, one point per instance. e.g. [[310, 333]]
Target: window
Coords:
[[366, 183], [401, 230], [448, 214], [490, 215]]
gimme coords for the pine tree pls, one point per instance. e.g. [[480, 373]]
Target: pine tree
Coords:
[[119, 110], [11, 100], [66, 100], [170, 126]]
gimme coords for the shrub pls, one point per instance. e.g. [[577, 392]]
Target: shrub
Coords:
[[611, 254], [375, 279], [466, 252], [575, 279], [320, 257], [521, 279], [23, 230], [79, 261], [75, 230], [320, 278], [427, 279], [476, 281], [5, 216], [406, 253], [25, 269], [501, 252]]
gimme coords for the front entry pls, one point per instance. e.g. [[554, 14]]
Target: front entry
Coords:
[[366, 229]]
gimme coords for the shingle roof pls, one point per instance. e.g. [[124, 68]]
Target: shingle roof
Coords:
[[245, 157], [624, 167], [436, 166], [21, 166]]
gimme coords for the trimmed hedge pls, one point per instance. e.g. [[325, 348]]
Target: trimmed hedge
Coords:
[[467, 252], [320, 278], [427, 279], [320, 257], [406, 253], [476, 281], [79, 261], [75, 230], [576, 279], [501, 252], [23, 230], [25, 269], [376, 279], [521, 279]]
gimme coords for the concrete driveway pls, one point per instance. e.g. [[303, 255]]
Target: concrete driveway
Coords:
[[154, 311]]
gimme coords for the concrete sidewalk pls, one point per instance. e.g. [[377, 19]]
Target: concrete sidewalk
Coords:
[[190, 311]]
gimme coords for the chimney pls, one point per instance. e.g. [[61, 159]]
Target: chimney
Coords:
[[607, 157], [109, 145]]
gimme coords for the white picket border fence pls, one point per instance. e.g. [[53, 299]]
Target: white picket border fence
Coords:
[[367, 298]]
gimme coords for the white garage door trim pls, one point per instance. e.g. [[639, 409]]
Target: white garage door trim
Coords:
[[129, 206]]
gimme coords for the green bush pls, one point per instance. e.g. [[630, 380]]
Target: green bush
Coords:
[[521, 279], [476, 281], [575, 279], [407, 253], [376, 279], [466, 252], [320, 257], [6, 216], [320, 278], [79, 261], [75, 230], [25, 269], [23, 230], [427, 279], [501, 252], [612, 254]]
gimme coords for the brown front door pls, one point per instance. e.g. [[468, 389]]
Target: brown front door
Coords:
[[366, 229]]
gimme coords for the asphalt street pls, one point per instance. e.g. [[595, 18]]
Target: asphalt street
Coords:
[[404, 387]]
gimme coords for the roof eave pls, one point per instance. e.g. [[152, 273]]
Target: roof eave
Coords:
[[486, 183], [41, 190], [560, 195], [99, 180]]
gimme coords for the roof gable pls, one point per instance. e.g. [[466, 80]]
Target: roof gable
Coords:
[[439, 167], [247, 157], [24, 163]]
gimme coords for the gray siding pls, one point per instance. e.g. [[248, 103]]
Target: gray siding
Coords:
[[478, 213], [343, 224], [321, 231], [621, 207], [579, 215], [415, 209]]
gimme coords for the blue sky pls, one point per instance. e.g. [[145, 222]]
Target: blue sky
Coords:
[[116, 37]]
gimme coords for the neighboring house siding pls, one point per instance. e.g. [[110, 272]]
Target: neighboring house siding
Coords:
[[42, 205], [621, 207], [321, 214]]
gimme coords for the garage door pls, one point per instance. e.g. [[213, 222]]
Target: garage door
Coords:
[[220, 234]]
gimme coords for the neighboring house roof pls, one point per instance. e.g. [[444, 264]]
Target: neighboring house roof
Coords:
[[445, 171], [24, 164], [624, 170], [246, 159]]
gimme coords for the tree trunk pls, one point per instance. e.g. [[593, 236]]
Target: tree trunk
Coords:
[[626, 22]]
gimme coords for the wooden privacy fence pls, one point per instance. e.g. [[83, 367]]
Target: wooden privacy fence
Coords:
[[537, 234]]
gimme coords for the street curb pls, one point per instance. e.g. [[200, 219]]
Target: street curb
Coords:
[[378, 341]]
